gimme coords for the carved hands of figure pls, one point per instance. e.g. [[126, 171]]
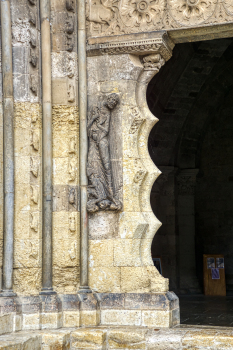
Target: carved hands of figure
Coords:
[[191, 12], [101, 195], [153, 62]]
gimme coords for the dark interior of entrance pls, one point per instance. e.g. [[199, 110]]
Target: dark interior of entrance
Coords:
[[192, 145]]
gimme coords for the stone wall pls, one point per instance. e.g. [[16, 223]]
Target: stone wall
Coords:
[[28, 148]]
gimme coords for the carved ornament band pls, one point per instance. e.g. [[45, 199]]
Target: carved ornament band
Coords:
[[162, 45]]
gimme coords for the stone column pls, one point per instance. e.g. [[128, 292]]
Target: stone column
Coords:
[[186, 180]]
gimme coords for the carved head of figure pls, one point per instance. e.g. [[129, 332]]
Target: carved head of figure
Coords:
[[112, 101]]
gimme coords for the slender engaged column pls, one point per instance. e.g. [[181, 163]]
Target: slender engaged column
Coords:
[[82, 69], [47, 285], [8, 150]]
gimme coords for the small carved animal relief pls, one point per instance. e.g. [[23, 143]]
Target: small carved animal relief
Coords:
[[71, 118], [35, 194], [72, 170], [70, 23], [33, 38], [33, 84], [70, 6], [32, 16], [70, 67], [34, 167], [69, 42], [72, 251], [153, 62], [139, 176], [33, 57], [35, 140], [71, 93], [72, 224], [34, 222], [101, 195], [33, 251], [73, 144], [72, 196], [137, 121]]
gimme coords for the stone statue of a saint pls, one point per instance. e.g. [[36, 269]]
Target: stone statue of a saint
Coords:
[[100, 190]]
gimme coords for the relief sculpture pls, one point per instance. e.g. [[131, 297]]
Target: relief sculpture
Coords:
[[101, 195]]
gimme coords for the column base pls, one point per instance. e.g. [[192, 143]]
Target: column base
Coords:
[[47, 291], [84, 289], [7, 293]]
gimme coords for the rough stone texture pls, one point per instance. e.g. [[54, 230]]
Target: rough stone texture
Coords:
[[28, 177], [132, 338]]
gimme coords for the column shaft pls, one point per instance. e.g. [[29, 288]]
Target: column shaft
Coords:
[[46, 148], [8, 149], [82, 70]]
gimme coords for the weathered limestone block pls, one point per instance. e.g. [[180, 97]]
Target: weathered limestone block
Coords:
[[133, 339], [59, 340], [65, 279], [101, 253], [6, 323], [21, 342], [27, 280], [108, 280], [88, 339]]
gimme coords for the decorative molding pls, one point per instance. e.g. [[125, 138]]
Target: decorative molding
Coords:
[[161, 44], [108, 17], [101, 194]]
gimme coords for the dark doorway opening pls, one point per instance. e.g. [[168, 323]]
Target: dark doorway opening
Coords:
[[192, 145]]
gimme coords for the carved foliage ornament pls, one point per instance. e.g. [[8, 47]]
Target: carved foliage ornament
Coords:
[[191, 12], [108, 17], [228, 4], [141, 13], [101, 194]]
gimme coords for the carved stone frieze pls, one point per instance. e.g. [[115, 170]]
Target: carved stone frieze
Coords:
[[109, 17], [101, 194], [160, 44]]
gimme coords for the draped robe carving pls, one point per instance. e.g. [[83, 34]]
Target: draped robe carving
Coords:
[[100, 190]]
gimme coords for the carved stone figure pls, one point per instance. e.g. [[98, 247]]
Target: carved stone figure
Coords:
[[153, 62], [100, 191]]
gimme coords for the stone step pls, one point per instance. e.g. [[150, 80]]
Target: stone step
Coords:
[[114, 338]]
